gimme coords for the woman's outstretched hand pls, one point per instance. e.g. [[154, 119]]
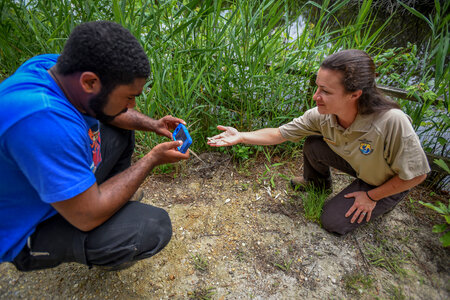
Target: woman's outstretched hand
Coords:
[[229, 137]]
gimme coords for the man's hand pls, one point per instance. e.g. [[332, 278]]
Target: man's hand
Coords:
[[166, 124], [228, 138], [361, 208], [98, 203], [166, 153]]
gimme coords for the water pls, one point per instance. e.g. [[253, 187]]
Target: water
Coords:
[[403, 28]]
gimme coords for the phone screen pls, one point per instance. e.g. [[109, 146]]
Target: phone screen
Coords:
[[180, 135]]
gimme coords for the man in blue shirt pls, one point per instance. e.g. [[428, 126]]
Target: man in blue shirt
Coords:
[[66, 179]]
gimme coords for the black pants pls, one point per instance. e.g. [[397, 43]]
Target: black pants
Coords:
[[135, 232], [318, 158]]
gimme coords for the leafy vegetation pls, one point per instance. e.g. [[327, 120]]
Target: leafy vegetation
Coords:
[[443, 210], [245, 63], [388, 256]]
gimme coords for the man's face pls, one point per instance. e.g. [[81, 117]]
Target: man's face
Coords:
[[108, 106]]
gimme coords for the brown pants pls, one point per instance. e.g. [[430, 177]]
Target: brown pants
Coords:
[[318, 158]]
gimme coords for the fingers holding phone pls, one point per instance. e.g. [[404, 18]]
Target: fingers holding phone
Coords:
[[168, 152], [182, 134]]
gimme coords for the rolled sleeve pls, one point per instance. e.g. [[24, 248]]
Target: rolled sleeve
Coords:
[[306, 125]]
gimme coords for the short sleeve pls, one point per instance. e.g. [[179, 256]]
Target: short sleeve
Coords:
[[52, 151], [308, 124], [404, 152]]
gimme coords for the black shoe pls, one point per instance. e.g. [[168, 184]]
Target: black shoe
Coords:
[[122, 266]]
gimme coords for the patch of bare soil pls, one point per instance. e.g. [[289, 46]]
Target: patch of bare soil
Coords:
[[240, 233]]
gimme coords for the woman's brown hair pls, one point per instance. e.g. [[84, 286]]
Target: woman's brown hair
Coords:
[[358, 69]]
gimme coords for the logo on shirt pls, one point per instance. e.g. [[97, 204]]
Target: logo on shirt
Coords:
[[95, 148], [365, 147]]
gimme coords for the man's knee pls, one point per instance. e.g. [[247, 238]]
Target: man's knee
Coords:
[[163, 226], [156, 233], [135, 232], [154, 226]]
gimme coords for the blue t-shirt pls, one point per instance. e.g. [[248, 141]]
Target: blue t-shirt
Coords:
[[46, 151]]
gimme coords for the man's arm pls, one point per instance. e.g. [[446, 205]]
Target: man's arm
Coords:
[[134, 120], [97, 204]]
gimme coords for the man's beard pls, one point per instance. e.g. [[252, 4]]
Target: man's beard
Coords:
[[98, 103]]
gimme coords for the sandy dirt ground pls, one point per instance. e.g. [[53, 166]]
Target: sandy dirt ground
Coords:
[[239, 232]]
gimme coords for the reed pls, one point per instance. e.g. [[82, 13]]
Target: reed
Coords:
[[228, 61]]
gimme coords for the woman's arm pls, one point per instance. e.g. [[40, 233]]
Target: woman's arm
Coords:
[[230, 136], [363, 205], [394, 186]]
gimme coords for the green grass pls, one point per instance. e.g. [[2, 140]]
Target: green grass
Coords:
[[285, 265], [356, 282], [202, 293], [231, 62], [388, 257], [313, 200], [200, 263]]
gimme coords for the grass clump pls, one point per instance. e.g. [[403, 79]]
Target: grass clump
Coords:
[[285, 265], [357, 282], [396, 293], [388, 257], [200, 263], [202, 293], [313, 200]]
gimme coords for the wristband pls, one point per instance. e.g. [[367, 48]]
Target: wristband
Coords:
[[367, 193]]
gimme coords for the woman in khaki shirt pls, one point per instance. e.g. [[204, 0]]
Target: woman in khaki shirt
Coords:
[[355, 129]]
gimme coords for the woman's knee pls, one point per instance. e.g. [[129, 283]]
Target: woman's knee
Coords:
[[335, 223]]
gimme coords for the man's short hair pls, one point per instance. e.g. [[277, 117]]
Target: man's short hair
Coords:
[[107, 49]]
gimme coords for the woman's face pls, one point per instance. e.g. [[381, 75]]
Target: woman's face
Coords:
[[331, 96]]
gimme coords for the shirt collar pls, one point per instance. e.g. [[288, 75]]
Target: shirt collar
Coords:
[[362, 123]]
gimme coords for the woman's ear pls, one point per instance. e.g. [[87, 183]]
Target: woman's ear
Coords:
[[90, 83], [356, 94]]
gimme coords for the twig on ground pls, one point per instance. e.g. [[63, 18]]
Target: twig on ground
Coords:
[[362, 253], [312, 268]]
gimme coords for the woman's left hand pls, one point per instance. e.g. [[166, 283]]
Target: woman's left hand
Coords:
[[362, 207]]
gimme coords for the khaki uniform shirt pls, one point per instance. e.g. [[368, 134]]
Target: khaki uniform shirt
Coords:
[[377, 146]]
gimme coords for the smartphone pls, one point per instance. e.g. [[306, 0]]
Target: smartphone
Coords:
[[182, 134]]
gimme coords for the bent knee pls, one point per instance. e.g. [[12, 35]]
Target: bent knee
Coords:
[[165, 225], [158, 224], [334, 223]]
